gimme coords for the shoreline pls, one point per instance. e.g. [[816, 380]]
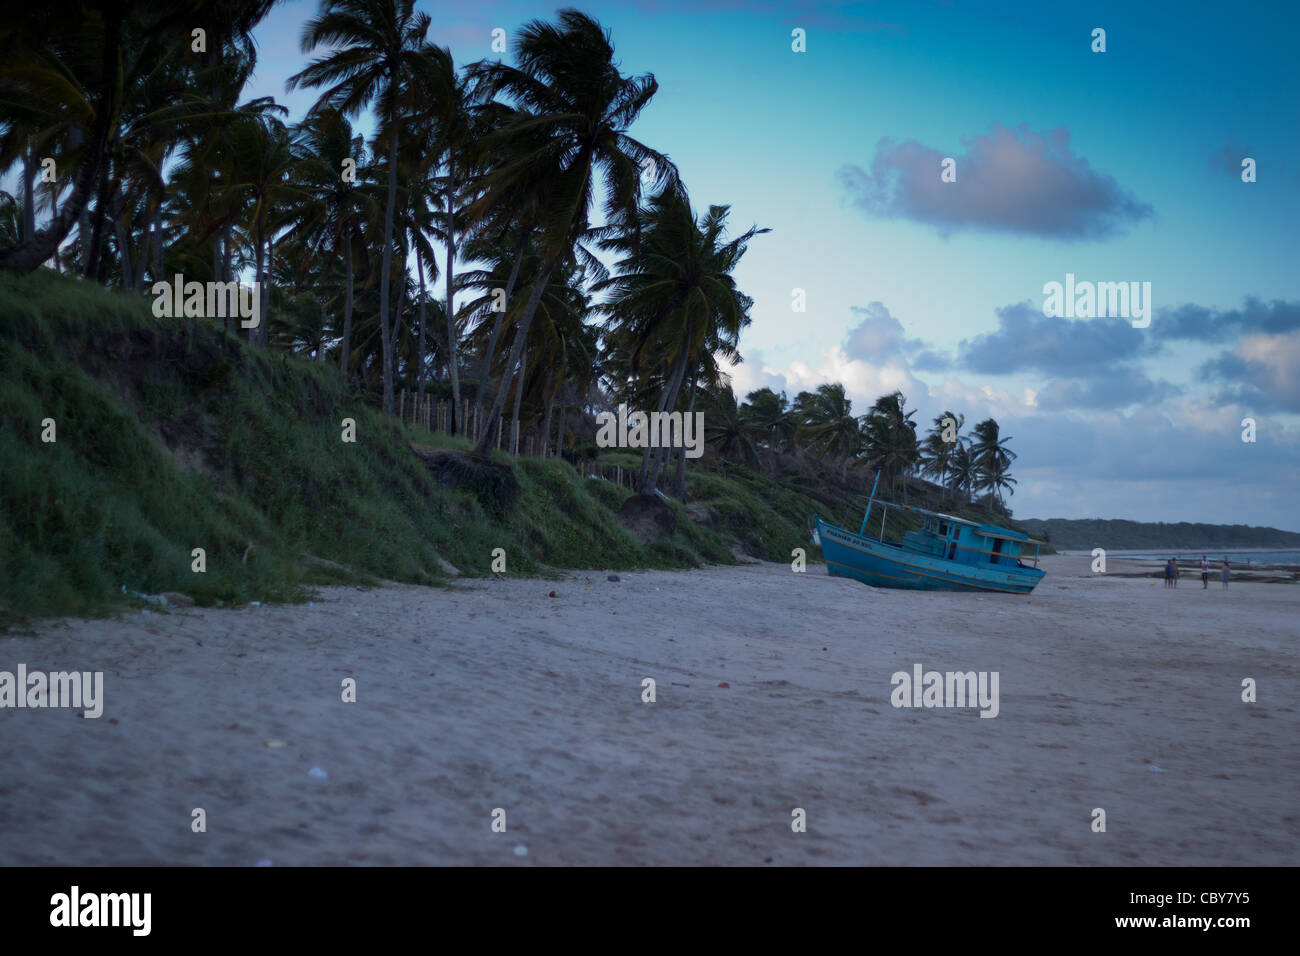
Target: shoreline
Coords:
[[1245, 573]]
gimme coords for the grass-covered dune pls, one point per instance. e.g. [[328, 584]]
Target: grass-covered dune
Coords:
[[172, 435]]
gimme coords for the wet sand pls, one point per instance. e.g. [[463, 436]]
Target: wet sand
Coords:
[[495, 695]]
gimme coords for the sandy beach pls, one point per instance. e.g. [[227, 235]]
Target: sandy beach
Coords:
[[1113, 693]]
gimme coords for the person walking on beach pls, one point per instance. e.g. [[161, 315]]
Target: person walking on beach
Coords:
[[1205, 572], [1169, 573], [1174, 562], [1226, 571]]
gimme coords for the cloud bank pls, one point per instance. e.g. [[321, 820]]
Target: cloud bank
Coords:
[[1010, 181]]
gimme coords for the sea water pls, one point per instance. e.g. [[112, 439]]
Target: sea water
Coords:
[[1187, 559]]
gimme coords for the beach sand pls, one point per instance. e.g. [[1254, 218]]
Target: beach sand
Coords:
[[495, 695]]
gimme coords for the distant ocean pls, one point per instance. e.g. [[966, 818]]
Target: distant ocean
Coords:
[[1234, 557]]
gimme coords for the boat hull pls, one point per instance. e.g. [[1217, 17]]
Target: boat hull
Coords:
[[885, 565]]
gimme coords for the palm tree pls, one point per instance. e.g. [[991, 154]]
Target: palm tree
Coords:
[[725, 427], [568, 121], [827, 425], [501, 220], [379, 53], [992, 459], [564, 346], [936, 450], [961, 469], [329, 217], [674, 299], [996, 477], [263, 178], [452, 131], [891, 438], [506, 265], [561, 310], [11, 219], [769, 415], [77, 77], [82, 90]]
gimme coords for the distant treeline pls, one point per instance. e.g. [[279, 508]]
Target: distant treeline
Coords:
[[1069, 535]]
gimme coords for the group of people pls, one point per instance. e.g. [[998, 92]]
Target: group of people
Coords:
[[1171, 572]]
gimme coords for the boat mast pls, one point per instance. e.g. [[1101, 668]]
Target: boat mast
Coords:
[[863, 532]]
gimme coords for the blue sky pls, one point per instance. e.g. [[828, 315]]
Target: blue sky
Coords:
[[1114, 166]]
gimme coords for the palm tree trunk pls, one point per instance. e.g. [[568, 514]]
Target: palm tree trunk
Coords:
[[264, 326], [347, 307], [29, 193], [84, 238], [644, 474], [386, 270], [419, 357], [397, 321], [158, 247], [226, 250], [453, 347], [320, 339], [530, 309], [669, 404], [97, 225], [681, 454], [123, 247], [522, 374], [146, 238], [485, 366], [261, 263], [544, 436], [54, 214]]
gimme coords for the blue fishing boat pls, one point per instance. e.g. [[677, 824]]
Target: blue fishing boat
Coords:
[[946, 553]]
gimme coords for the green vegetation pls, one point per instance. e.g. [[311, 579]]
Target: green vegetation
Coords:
[[499, 165], [768, 431], [1080, 535], [173, 435]]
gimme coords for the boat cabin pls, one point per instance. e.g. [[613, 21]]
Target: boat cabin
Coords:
[[956, 539]]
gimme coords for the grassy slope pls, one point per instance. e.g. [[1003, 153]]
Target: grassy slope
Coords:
[[173, 435]]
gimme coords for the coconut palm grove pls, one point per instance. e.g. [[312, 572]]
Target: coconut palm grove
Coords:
[[499, 260]]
